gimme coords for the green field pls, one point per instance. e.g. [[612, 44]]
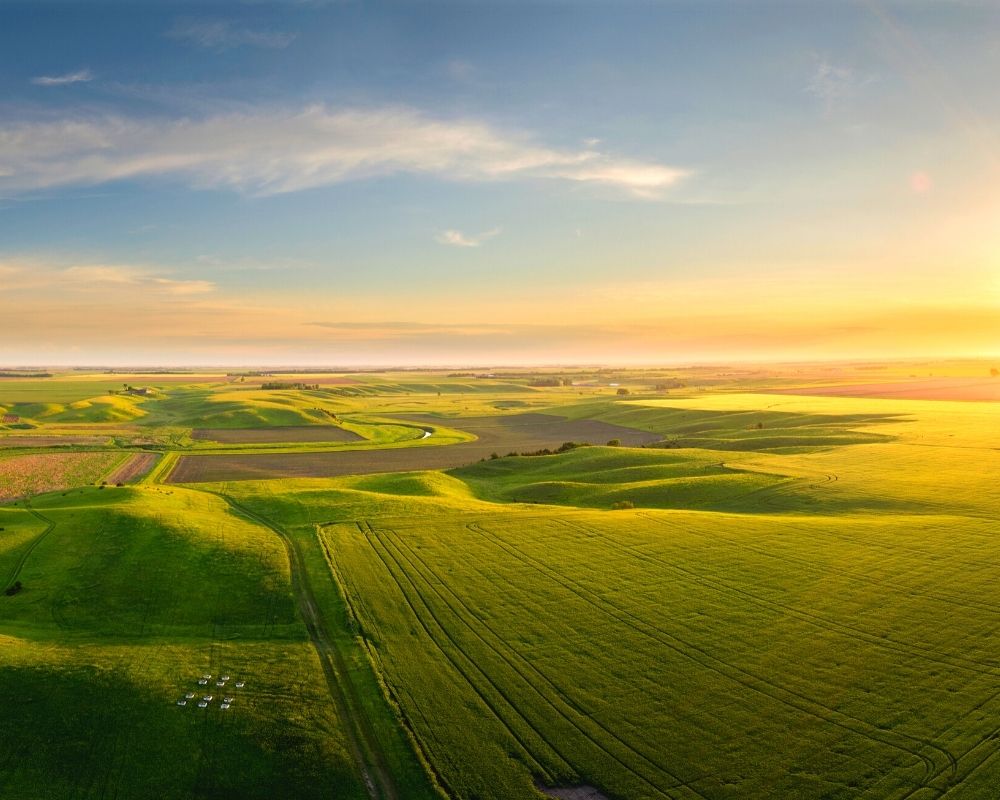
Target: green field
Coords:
[[780, 596]]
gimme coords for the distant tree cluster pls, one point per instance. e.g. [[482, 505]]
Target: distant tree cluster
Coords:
[[565, 447], [25, 374]]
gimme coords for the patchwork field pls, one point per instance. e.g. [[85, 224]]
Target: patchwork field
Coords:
[[748, 595], [521, 432]]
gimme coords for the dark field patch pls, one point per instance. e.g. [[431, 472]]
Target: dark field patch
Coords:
[[520, 432], [133, 469], [290, 433]]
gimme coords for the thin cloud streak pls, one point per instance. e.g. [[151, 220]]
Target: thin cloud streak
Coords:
[[275, 151], [80, 76]]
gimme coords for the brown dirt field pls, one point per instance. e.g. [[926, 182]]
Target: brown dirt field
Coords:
[[520, 432], [50, 441], [133, 469], [967, 389], [291, 433]]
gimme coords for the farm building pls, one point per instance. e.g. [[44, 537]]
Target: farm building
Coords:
[[136, 391], [9, 419]]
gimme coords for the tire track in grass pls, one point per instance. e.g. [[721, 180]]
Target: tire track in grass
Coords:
[[516, 737], [49, 526], [678, 783], [815, 619], [745, 678], [361, 739], [810, 565], [823, 623]]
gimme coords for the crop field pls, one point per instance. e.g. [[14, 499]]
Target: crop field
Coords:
[[33, 473], [520, 432], [133, 468], [750, 595]]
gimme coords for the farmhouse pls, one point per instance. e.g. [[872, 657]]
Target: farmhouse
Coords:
[[9, 419]]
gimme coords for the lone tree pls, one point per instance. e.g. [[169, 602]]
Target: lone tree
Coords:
[[622, 392]]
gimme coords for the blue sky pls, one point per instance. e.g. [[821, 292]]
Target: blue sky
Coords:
[[250, 170]]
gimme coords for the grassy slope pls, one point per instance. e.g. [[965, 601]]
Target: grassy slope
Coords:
[[130, 596]]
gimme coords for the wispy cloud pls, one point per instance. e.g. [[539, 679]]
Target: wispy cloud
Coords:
[[80, 76], [224, 35], [456, 238], [270, 151], [102, 278]]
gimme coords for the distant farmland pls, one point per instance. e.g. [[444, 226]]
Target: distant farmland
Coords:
[[520, 432], [287, 433]]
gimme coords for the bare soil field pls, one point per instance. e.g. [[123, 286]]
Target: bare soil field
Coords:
[[133, 469], [291, 433], [520, 432], [970, 389]]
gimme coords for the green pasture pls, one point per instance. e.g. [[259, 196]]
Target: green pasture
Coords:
[[787, 597]]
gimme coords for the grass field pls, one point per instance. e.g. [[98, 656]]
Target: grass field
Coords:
[[781, 596]]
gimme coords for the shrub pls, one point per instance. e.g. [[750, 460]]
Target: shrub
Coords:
[[614, 442], [494, 456], [622, 392], [621, 505], [13, 589]]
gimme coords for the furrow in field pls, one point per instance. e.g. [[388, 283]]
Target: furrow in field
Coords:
[[933, 766], [824, 623], [561, 705], [398, 575]]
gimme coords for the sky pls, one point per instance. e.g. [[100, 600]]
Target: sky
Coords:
[[416, 183]]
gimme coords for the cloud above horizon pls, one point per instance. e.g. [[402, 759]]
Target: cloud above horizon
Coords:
[[273, 151], [80, 76]]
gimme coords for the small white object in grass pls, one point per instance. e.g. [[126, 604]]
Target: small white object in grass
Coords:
[[240, 684], [220, 683], [207, 698], [224, 678], [189, 696], [202, 704], [182, 702], [202, 682], [224, 706], [227, 699], [206, 677]]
